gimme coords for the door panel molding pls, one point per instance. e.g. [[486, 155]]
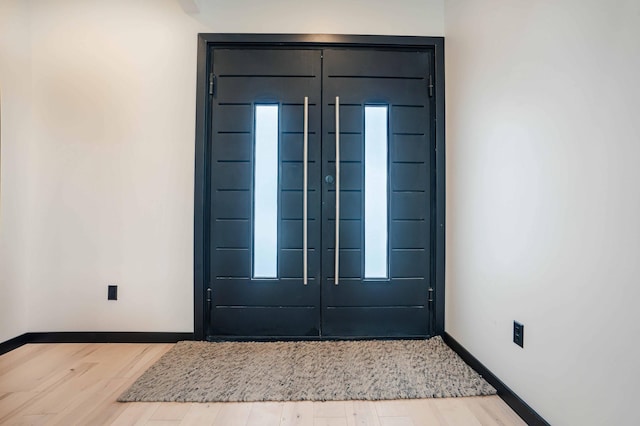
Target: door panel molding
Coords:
[[408, 194]]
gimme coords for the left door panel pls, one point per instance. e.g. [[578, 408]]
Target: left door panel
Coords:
[[245, 303]]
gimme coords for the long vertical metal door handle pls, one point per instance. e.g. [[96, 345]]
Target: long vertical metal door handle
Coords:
[[305, 185], [337, 252]]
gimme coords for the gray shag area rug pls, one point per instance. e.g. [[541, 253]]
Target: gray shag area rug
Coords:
[[307, 371]]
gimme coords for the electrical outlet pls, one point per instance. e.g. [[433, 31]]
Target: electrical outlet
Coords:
[[518, 334], [112, 293]]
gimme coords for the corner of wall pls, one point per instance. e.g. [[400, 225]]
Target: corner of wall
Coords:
[[15, 138]]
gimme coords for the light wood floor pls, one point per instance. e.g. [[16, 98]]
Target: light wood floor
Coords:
[[70, 384]]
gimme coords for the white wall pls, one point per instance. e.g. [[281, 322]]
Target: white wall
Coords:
[[112, 135], [403, 17], [113, 126], [14, 165], [543, 146]]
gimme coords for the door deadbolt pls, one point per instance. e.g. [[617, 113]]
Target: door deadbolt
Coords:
[[328, 179]]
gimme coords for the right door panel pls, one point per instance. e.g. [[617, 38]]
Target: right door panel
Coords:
[[390, 188]]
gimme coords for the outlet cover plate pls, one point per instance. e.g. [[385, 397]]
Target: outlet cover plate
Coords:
[[112, 292], [518, 334]]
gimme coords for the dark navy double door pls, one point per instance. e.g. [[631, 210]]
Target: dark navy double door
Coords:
[[386, 156]]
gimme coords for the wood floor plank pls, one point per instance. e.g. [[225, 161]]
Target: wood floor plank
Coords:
[[330, 421], [329, 409], [98, 407], [12, 404], [233, 414], [265, 414], [105, 409], [422, 412], [396, 421], [201, 414], [33, 420], [65, 384], [30, 375], [454, 411], [499, 411], [49, 402], [21, 356], [396, 408], [135, 413], [362, 413], [299, 413], [171, 411], [143, 359], [485, 415]]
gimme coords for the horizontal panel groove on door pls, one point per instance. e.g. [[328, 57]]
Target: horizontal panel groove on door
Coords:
[[403, 92], [266, 76], [232, 234], [234, 118], [406, 120], [246, 292], [269, 321], [259, 306], [404, 321], [267, 62], [232, 132], [236, 279], [262, 89], [390, 63], [374, 77], [231, 263], [238, 119], [378, 293], [409, 234], [408, 263], [386, 306], [233, 161]]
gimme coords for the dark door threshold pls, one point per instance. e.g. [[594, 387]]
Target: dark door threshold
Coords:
[[307, 338]]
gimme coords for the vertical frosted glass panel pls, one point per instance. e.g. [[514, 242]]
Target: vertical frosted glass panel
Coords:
[[265, 192], [375, 191]]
